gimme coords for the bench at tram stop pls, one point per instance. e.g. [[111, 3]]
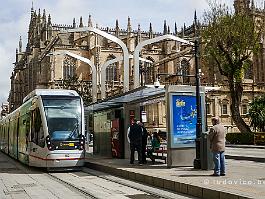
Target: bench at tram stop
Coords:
[[158, 153]]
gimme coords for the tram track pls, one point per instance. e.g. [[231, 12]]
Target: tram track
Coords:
[[145, 190], [71, 186]]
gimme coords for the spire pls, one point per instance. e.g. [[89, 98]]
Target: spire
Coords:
[[39, 16], [176, 29], [90, 21], [74, 24], [195, 23], [150, 31], [168, 30], [16, 55], [252, 5], [49, 20], [20, 44], [165, 27], [44, 16], [117, 29], [117, 24], [150, 27], [195, 18], [129, 26], [81, 22], [139, 38], [32, 9]]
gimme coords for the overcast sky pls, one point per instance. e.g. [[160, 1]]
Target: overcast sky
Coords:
[[15, 15]]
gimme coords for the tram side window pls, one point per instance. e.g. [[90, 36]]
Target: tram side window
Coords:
[[37, 134]]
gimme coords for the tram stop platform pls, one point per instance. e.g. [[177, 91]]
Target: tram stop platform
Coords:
[[244, 179]]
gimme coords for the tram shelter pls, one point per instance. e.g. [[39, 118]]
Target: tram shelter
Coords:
[[108, 121]]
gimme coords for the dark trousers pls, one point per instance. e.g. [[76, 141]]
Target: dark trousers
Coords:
[[136, 147], [143, 153]]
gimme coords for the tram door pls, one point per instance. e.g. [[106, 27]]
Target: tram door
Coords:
[[37, 144]]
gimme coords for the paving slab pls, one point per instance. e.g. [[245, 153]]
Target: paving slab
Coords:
[[244, 179]]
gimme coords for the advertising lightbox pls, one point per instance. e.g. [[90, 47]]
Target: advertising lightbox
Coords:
[[184, 119]]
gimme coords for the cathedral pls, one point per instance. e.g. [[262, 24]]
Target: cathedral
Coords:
[[38, 65]]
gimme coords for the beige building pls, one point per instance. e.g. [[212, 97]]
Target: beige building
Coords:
[[40, 65]]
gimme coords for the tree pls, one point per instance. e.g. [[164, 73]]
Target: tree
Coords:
[[257, 114], [230, 40]]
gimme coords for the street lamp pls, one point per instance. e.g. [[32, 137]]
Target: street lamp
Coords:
[[197, 160]]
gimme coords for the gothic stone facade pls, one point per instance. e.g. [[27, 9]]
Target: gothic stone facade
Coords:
[[39, 66]]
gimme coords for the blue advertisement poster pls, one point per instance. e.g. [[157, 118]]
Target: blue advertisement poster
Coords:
[[183, 121]]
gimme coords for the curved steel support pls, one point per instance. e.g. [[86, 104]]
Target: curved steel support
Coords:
[[116, 40], [94, 72], [103, 73], [146, 42]]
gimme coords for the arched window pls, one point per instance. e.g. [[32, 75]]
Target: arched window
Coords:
[[69, 67], [185, 66], [111, 71], [148, 71]]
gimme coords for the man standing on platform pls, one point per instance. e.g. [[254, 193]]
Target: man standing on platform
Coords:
[[144, 141], [134, 135], [217, 144]]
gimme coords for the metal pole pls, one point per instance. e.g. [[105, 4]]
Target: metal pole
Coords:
[[197, 161]]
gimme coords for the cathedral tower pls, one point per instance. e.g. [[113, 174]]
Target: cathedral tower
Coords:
[[242, 6]]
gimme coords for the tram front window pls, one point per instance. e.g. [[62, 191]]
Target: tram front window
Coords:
[[63, 118]]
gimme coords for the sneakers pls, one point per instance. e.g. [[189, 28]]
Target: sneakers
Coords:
[[222, 174]]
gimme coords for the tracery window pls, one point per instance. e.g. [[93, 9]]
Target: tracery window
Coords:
[[111, 71], [69, 67]]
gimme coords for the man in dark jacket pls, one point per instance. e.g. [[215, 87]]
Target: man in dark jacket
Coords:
[[144, 141], [217, 144], [134, 136]]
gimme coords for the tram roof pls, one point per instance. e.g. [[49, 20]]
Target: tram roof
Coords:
[[139, 94], [39, 92]]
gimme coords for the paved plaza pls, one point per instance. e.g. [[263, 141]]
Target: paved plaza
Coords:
[[244, 179]]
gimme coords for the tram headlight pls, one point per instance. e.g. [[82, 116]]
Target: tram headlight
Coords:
[[82, 142], [49, 144]]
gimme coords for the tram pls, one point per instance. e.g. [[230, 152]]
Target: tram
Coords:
[[47, 130]]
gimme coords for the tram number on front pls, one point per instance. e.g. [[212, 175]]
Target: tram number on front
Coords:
[[67, 144]]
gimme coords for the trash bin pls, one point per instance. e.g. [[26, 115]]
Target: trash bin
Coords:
[[206, 154]]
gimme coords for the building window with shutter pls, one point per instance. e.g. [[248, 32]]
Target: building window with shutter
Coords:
[[224, 109]]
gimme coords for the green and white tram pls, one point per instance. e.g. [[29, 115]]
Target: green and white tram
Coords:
[[47, 130]]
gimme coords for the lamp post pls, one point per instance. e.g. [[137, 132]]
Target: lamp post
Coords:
[[197, 160]]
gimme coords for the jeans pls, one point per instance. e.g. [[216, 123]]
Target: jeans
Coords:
[[219, 162]]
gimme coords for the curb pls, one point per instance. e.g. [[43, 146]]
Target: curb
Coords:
[[174, 186], [246, 146], [254, 159]]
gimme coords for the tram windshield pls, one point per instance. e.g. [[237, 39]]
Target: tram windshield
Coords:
[[63, 118]]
